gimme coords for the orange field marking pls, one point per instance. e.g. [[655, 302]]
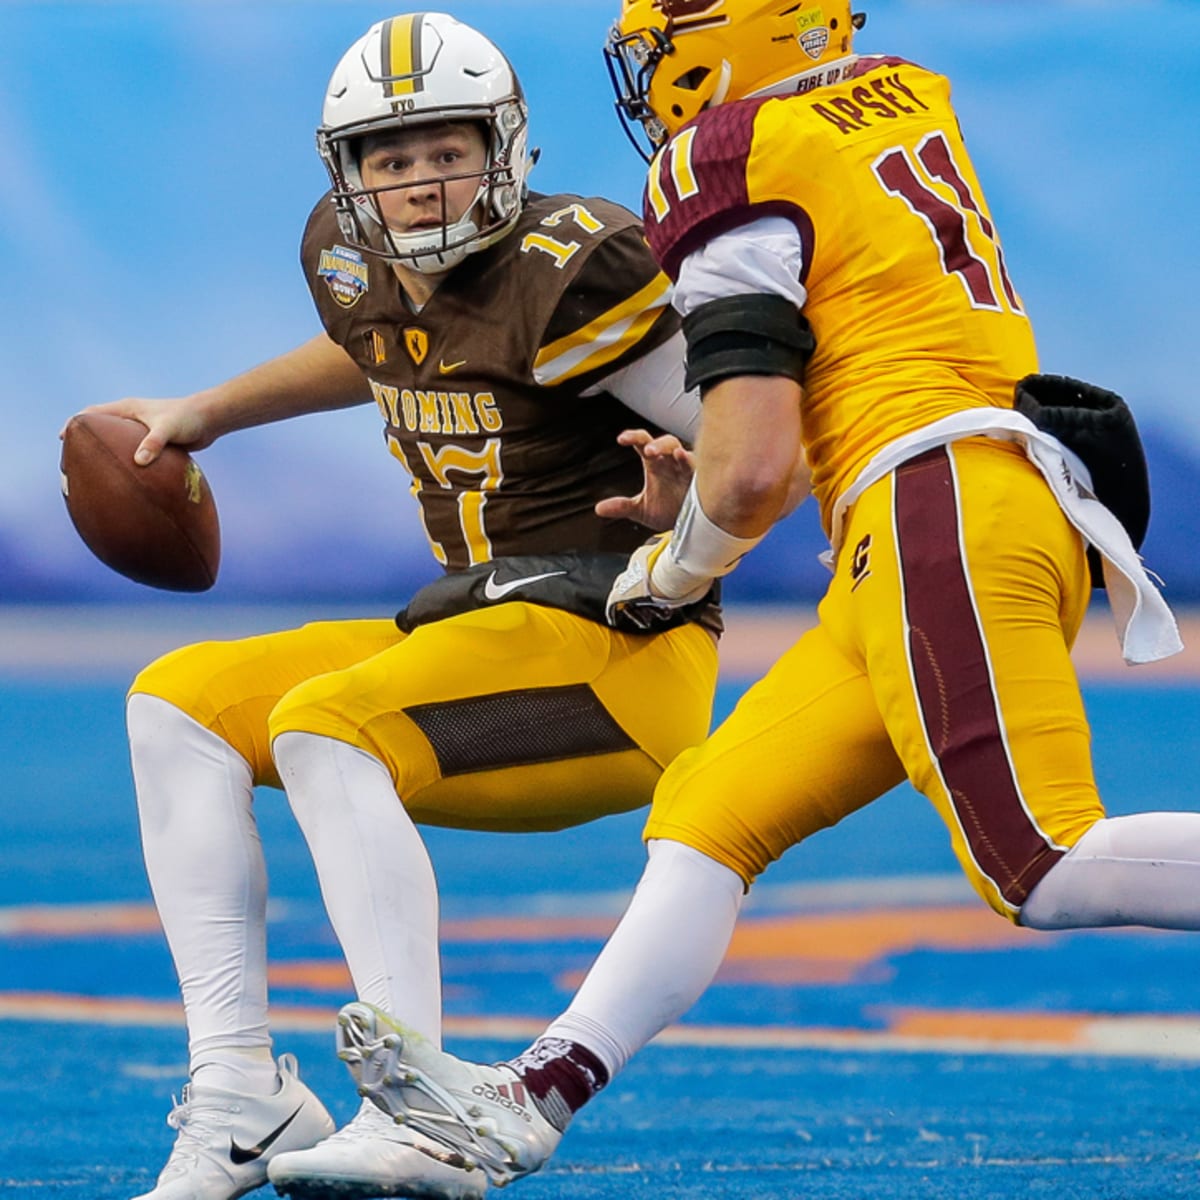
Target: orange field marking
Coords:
[[839, 948], [945, 1031], [832, 948], [823, 948], [1063, 1029], [72, 920], [790, 950]]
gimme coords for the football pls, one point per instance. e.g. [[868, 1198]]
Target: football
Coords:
[[156, 525]]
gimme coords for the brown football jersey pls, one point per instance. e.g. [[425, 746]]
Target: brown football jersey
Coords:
[[481, 391]]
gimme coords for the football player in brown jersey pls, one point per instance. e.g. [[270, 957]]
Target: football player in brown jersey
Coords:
[[508, 339], [847, 304]]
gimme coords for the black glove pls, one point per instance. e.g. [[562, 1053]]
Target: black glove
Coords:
[[1099, 427]]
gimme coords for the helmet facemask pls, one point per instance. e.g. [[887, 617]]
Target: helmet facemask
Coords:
[[669, 60], [429, 250], [631, 60], [499, 196]]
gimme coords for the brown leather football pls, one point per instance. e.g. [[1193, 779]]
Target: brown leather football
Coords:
[[156, 525]]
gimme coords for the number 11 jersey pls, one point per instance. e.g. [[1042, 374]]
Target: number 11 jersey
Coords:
[[908, 292]]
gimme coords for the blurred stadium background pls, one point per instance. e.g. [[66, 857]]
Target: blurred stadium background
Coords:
[[157, 165], [156, 169]]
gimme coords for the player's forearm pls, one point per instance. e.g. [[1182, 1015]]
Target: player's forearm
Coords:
[[746, 474], [749, 459], [318, 376]]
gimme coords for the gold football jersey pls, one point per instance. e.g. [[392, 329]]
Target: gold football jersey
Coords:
[[481, 392], [909, 296]]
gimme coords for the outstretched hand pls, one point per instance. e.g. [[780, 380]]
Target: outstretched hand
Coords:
[[167, 422], [668, 469]]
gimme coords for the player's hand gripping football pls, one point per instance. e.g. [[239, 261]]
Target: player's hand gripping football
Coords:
[[168, 423], [667, 472]]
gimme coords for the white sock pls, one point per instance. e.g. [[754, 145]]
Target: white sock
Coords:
[[248, 1071], [1137, 870], [206, 869], [660, 958], [375, 874]]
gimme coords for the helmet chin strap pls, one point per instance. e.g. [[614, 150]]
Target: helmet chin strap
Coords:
[[721, 91], [433, 251]]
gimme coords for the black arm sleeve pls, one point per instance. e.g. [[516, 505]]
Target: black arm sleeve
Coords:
[[755, 334]]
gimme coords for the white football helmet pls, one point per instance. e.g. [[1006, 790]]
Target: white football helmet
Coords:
[[416, 69]]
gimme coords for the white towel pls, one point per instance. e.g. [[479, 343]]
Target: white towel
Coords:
[[1146, 627]]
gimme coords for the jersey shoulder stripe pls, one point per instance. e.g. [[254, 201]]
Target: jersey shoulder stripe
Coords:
[[604, 339]]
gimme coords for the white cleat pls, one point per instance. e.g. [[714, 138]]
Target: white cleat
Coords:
[[373, 1156], [484, 1114], [227, 1140]]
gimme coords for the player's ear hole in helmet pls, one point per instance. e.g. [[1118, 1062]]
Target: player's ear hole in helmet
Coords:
[[669, 60], [417, 70]]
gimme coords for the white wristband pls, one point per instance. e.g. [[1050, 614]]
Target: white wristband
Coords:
[[699, 551]]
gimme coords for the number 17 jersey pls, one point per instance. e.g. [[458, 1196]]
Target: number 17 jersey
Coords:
[[908, 293], [491, 394]]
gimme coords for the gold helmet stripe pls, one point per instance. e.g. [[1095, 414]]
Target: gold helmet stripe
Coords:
[[401, 45]]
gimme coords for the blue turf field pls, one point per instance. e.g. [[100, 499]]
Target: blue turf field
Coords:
[[876, 1033]]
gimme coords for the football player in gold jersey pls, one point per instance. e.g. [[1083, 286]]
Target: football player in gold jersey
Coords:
[[846, 304], [508, 339]]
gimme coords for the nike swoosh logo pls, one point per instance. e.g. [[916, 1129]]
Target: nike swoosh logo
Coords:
[[242, 1155], [497, 591], [444, 368]]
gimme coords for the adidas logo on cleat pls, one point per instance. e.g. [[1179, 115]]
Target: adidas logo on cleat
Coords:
[[500, 1095]]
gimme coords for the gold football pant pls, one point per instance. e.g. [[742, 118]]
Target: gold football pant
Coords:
[[516, 717], [941, 653]]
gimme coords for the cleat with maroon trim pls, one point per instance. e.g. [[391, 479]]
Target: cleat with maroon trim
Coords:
[[485, 1114]]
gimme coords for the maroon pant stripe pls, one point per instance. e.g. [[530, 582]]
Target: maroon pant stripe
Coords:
[[954, 689]]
